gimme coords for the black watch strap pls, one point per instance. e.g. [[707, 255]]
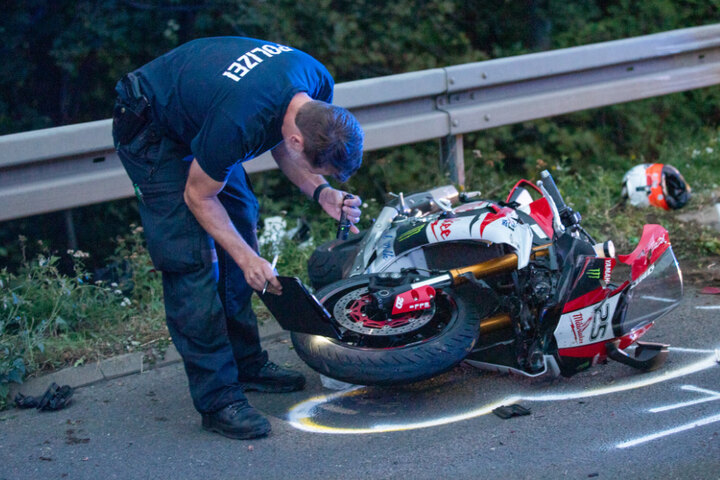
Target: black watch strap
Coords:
[[318, 189]]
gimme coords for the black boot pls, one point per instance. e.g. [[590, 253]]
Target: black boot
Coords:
[[238, 420], [273, 379]]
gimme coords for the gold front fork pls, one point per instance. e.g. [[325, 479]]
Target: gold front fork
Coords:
[[502, 264]]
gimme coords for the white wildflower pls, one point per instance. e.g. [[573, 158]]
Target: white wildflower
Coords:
[[125, 302], [80, 254], [117, 292], [275, 229], [114, 285], [708, 150], [695, 153]]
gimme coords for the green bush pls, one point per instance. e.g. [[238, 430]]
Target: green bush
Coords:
[[49, 319]]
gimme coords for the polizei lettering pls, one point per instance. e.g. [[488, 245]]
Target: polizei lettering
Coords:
[[249, 60]]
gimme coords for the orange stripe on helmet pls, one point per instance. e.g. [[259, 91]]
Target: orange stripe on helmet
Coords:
[[655, 182]]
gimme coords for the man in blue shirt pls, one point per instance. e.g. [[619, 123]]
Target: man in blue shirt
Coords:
[[181, 125]]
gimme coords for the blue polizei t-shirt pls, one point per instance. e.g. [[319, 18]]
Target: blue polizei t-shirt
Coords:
[[226, 97]]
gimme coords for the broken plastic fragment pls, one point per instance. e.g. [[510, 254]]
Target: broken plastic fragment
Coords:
[[508, 411], [54, 398]]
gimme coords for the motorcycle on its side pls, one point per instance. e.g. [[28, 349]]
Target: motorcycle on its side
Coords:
[[518, 286]]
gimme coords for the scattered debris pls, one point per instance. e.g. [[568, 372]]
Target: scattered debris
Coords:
[[71, 439], [508, 411], [333, 384], [710, 291], [54, 398]]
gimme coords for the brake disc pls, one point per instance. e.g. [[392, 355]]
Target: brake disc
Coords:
[[350, 311]]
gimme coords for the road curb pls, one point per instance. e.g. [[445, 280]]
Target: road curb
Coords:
[[115, 367]]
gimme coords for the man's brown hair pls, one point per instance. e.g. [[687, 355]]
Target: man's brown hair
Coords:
[[331, 135]]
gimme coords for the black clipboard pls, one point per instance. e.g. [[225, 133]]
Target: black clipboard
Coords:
[[297, 310]]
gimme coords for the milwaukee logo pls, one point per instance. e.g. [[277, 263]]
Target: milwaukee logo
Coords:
[[578, 326]]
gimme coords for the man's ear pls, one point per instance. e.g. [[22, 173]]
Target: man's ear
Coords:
[[296, 142]]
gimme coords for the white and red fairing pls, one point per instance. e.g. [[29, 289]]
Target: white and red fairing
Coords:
[[491, 224], [500, 225], [589, 321]]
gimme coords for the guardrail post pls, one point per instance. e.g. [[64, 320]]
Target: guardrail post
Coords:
[[70, 230], [452, 160]]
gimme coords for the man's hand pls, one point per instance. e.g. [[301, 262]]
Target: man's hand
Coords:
[[257, 270], [297, 168], [331, 200]]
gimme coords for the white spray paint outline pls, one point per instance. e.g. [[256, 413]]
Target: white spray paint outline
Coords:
[[300, 416]]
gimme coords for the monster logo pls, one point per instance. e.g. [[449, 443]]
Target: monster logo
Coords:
[[411, 232], [594, 273]]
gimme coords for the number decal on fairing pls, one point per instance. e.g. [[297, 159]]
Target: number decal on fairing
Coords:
[[249, 60], [600, 320]]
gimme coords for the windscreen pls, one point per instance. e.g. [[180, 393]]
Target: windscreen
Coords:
[[654, 293]]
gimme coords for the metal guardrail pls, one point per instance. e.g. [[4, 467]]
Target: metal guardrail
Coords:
[[64, 167]]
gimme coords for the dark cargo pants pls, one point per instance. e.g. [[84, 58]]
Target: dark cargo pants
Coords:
[[207, 300]]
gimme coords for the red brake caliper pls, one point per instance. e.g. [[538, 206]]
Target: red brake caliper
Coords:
[[355, 311]]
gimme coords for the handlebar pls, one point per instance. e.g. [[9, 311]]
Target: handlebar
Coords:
[[567, 216], [552, 189]]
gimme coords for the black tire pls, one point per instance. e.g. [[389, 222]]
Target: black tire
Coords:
[[395, 365], [332, 261]]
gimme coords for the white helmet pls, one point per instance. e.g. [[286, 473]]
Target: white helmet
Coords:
[[656, 184]]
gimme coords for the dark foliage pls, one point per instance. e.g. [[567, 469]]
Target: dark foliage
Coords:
[[61, 59]]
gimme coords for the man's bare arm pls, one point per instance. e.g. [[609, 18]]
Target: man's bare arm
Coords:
[[201, 197]]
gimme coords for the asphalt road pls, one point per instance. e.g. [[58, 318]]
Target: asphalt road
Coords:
[[608, 422]]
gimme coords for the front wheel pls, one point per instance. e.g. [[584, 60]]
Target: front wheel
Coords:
[[394, 351]]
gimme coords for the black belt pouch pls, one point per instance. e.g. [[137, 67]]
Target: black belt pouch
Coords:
[[132, 110]]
